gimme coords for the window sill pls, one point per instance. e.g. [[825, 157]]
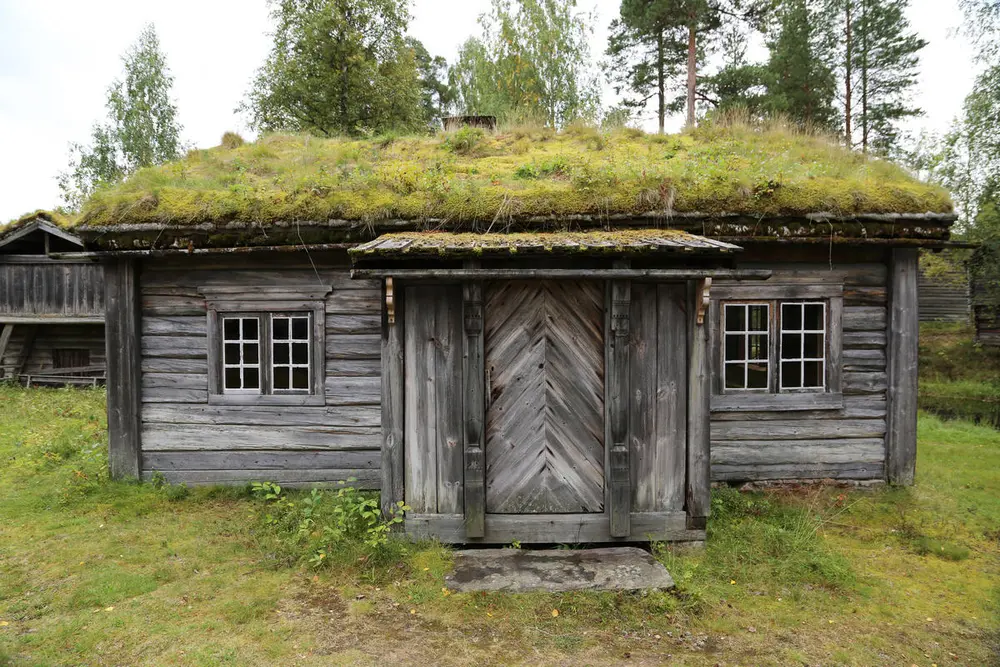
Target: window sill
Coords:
[[292, 400], [776, 402]]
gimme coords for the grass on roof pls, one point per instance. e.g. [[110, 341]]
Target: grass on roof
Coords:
[[58, 218], [472, 176]]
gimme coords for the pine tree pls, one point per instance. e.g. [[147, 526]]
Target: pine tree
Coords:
[[645, 54], [337, 67], [800, 84], [141, 128], [877, 59]]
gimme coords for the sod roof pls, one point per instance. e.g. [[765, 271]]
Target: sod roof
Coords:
[[470, 179]]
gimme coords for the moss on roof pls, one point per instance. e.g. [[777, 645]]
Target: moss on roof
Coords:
[[58, 218], [470, 176]]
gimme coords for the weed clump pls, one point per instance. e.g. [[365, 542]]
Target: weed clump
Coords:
[[232, 140], [343, 526]]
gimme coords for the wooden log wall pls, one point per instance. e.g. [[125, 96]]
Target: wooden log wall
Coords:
[[53, 289], [846, 443], [190, 441], [46, 339]]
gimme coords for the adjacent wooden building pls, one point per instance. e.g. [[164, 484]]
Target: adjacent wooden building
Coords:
[[945, 297], [51, 305], [542, 339]]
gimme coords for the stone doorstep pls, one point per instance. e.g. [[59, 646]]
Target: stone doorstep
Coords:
[[557, 571]]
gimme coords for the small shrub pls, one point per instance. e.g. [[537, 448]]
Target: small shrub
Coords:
[[465, 141], [926, 546], [175, 492], [232, 140]]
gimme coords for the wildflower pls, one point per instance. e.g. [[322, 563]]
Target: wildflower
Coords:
[[555, 612]]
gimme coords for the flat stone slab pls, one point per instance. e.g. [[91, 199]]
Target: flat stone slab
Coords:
[[557, 571]]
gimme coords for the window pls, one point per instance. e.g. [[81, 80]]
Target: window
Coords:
[[803, 346], [747, 330], [775, 353], [266, 350]]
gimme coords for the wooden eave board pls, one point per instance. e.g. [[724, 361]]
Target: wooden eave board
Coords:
[[592, 242]]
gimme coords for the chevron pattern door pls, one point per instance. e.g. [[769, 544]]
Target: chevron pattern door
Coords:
[[544, 348]]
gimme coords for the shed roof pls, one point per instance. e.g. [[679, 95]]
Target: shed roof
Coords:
[[632, 241], [518, 179]]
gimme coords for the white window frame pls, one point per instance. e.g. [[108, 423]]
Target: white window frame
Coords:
[[266, 303], [775, 397], [746, 333], [801, 332]]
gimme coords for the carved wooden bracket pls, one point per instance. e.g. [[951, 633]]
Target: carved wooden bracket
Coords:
[[704, 296], [390, 301]]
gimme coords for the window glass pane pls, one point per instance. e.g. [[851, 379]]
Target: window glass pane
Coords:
[[757, 376], [281, 378], [300, 328], [814, 317], [735, 347], [281, 353], [232, 378], [757, 347], [251, 353], [734, 376], [758, 318], [791, 316], [736, 318], [300, 378], [814, 346], [791, 346], [280, 326], [251, 378], [231, 328], [232, 355], [791, 374], [250, 328], [813, 374], [300, 353]]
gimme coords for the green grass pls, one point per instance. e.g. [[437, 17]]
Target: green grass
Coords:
[[958, 378], [95, 572], [472, 177]]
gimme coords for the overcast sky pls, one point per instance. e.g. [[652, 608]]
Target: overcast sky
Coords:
[[57, 58]]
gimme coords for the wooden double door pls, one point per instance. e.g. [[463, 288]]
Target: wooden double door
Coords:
[[545, 418], [545, 410]]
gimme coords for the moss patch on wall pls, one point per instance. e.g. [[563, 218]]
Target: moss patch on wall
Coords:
[[471, 176]]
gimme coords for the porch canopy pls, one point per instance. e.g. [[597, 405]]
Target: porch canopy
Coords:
[[385, 256]]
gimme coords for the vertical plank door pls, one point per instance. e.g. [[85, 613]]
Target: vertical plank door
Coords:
[[544, 348]]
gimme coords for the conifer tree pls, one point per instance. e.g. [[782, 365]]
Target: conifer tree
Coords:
[[800, 84], [877, 56]]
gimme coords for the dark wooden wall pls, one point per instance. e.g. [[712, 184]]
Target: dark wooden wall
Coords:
[[944, 298], [189, 440], [50, 337], [986, 316], [50, 288], [847, 443]]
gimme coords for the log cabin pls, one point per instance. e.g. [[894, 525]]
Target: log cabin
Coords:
[[51, 304], [945, 296], [523, 335]]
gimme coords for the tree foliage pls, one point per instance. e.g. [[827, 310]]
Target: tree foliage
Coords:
[[875, 55], [800, 84], [141, 128], [338, 67], [532, 60]]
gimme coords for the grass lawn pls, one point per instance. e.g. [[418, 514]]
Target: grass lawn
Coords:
[[93, 572]]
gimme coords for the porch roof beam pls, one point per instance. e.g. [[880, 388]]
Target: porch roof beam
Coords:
[[561, 274]]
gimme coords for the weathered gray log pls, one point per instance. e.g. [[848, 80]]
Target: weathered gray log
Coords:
[[122, 336], [475, 410], [901, 437], [620, 493], [8, 330], [698, 492], [549, 528], [793, 429], [314, 477], [261, 460], [798, 471], [222, 415], [191, 437], [27, 345]]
